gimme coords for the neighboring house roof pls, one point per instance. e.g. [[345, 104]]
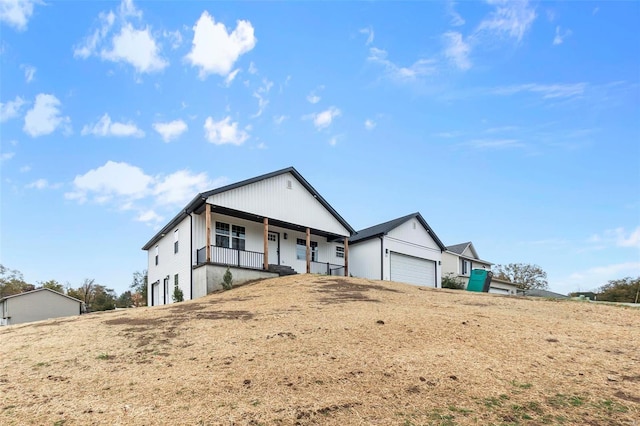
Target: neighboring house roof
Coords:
[[384, 228], [458, 249], [200, 199], [41, 289], [543, 293]]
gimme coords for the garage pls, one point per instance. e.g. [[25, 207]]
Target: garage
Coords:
[[413, 270], [496, 290]]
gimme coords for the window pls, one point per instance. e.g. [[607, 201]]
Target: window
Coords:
[[156, 255], [175, 241], [272, 237], [340, 252], [166, 289], [301, 250], [464, 270], [175, 280], [230, 236]]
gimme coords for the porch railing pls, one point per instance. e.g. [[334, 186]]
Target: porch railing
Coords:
[[231, 257], [326, 268]]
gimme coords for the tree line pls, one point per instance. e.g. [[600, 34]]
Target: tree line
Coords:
[[95, 296]]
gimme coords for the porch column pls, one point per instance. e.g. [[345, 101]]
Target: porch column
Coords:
[[346, 256], [207, 219], [308, 251], [265, 238]]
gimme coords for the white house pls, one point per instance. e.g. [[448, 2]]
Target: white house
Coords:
[[458, 261], [258, 228], [405, 249], [37, 305]]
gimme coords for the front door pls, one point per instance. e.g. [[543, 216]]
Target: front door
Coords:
[[274, 248]]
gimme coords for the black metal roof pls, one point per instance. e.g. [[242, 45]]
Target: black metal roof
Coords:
[[200, 199], [386, 227]]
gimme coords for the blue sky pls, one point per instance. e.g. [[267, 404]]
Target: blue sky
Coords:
[[515, 125]]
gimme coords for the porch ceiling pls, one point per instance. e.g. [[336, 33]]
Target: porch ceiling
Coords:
[[257, 218]]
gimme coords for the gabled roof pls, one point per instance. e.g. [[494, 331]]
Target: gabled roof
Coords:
[[41, 289], [458, 249], [200, 199], [386, 227]]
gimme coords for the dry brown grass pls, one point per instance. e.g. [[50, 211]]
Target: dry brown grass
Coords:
[[324, 350]]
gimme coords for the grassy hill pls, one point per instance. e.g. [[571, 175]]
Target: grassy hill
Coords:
[[322, 350]]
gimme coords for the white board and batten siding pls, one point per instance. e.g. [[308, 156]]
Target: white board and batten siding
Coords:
[[412, 239], [170, 264], [408, 254], [284, 198]]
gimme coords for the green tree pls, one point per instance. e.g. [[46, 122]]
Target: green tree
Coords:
[[139, 286], [52, 285], [178, 296], [96, 297], [525, 276], [12, 282], [227, 280], [622, 290], [124, 300]]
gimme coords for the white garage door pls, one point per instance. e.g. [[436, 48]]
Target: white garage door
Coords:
[[497, 290], [155, 293], [413, 270]]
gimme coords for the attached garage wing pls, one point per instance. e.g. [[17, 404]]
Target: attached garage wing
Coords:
[[413, 270]]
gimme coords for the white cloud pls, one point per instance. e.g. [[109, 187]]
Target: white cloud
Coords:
[[25, 169], [324, 119], [43, 184], [174, 37], [29, 72], [214, 50], [617, 237], [170, 130], [137, 48], [596, 277], [252, 68], [456, 19], [260, 95], [131, 45], [125, 187], [456, 50], [149, 216], [513, 18], [5, 156], [16, 13], [313, 97], [369, 124], [105, 127], [230, 77], [333, 141], [420, 68], [279, 119], [560, 36], [11, 109], [495, 143], [224, 132], [548, 91], [44, 118], [180, 187], [369, 33], [114, 179]]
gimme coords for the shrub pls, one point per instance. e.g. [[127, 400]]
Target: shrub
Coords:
[[449, 281], [178, 296], [227, 280]]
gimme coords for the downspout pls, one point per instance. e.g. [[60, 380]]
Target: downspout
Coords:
[[381, 258], [190, 254]]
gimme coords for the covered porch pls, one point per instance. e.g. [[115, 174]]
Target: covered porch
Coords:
[[244, 240]]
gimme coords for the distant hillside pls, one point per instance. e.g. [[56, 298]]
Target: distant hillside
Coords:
[[312, 349]]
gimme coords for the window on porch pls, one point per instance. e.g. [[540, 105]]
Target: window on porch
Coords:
[[301, 250], [230, 236]]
